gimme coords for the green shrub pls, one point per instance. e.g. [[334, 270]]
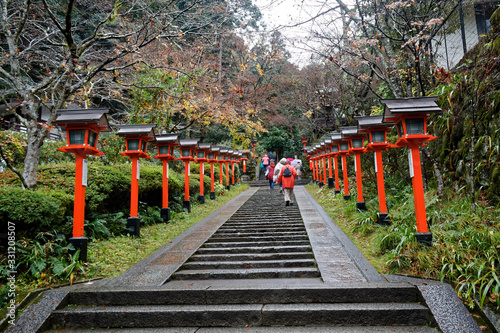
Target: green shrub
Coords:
[[33, 210]]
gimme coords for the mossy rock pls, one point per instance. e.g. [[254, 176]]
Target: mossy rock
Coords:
[[495, 20], [496, 44]]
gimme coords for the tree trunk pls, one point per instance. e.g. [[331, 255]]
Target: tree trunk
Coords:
[[33, 151]]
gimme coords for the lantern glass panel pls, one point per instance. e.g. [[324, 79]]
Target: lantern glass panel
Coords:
[[211, 156], [335, 149], [378, 136], [163, 150], [415, 126], [76, 136], [92, 138], [328, 150], [144, 145], [244, 156], [357, 143], [133, 144], [186, 152], [344, 146], [201, 154], [232, 158], [400, 128]]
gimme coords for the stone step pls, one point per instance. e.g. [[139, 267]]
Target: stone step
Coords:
[[250, 293], [264, 229], [236, 238], [269, 224], [263, 226], [250, 273], [263, 329], [248, 264], [243, 243], [257, 249], [241, 315], [252, 256]]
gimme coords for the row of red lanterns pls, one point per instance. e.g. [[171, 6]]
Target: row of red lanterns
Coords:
[[409, 115], [82, 129]]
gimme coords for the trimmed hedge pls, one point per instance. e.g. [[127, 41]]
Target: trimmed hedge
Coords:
[[108, 192], [34, 210]]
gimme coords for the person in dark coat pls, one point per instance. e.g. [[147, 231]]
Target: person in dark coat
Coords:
[[271, 156], [270, 174]]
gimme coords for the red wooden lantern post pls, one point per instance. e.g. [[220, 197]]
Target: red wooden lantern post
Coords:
[[202, 156], [356, 149], [188, 151], [82, 129], [304, 142], [232, 160], [377, 142], [410, 116], [328, 155], [343, 152], [313, 163], [308, 152], [244, 159], [166, 144], [136, 140], [323, 158], [221, 159], [212, 158], [254, 143], [238, 161], [316, 165], [336, 138], [227, 158]]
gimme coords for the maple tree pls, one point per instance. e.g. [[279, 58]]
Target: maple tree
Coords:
[[53, 53]]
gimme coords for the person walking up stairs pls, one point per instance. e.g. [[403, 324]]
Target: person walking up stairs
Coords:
[[287, 179]]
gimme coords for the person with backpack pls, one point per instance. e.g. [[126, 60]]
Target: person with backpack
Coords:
[[277, 171], [287, 179]]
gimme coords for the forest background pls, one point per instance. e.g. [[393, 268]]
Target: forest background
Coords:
[[210, 70]]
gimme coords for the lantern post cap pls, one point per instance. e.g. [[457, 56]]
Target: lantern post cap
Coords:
[[189, 143], [398, 107], [83, 116], [170, 139], [146, 130]]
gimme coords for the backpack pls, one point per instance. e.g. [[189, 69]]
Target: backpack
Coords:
[[287, 172]]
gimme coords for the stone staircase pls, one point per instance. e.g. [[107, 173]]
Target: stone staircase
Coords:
[[256, 273], [270, 244], [247, 305]]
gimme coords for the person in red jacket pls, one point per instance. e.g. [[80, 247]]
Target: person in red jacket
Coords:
[[270, 174], [287, 179]]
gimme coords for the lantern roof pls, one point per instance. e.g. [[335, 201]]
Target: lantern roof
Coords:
[[349, 130], [230, 151], [223, 150], [141, 130], [171, 139], [327, 141], [204, 146], [336, 136], [308, 148], [190, 143], [83, 116], [317, 146], [215, 149], [372, 121], [405, 106]]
